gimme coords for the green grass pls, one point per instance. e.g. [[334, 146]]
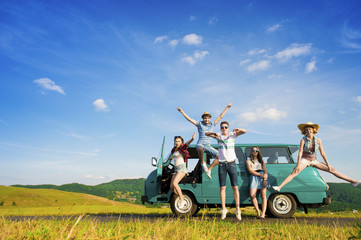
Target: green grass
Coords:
[[170, 228]]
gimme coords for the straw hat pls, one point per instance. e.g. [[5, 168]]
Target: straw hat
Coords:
[[206, 114], [308, 124]]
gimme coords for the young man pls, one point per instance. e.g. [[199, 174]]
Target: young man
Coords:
[[227, 164], [204, 142]]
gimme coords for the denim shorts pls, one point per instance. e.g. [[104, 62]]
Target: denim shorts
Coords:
[[229, 168], [180, 168], [257, 182], [208, 149]]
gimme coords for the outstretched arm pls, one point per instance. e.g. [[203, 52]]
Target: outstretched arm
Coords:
[[212, 134], [223, 113], [239, 131], [191, 140], [186, 116]]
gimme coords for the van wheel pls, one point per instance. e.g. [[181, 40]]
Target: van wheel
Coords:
[[282, 205], [190, 208]]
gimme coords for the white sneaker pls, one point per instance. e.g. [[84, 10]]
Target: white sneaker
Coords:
[[223, 213], [356, 183], [277, 188], [238, 214], [208, 172]]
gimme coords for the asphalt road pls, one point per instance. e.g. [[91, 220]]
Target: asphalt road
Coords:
[[231, 218]]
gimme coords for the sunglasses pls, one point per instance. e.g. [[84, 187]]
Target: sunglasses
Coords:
[[224, 127], [254, 150]]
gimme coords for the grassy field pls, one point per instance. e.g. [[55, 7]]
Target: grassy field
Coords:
[[28, 202], [170, 228]]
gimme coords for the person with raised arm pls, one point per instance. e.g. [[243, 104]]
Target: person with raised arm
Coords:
[[204, 142], [309, 145], [180, 155], [227, 164]]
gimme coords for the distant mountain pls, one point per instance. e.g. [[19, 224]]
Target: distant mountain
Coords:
[[344, 195], [122, 190]]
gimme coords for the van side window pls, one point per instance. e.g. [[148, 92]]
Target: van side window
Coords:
[[294, 153], [273, 155], [240, 155]]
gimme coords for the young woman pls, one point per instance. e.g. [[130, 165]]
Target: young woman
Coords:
[[307, 156], [180, 156], [227, 164], [258, 180], [204, 142]]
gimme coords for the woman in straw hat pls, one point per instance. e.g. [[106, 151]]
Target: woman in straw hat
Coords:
[[307, 156]]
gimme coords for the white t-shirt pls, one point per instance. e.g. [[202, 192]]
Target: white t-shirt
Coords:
[[226, 147], [178, 158]]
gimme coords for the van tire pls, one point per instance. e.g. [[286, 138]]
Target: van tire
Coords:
[[282, 205], [190, 208]]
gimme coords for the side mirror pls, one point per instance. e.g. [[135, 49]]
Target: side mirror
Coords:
[[154, 161]]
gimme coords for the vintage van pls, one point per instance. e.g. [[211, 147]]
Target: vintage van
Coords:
[[307, 190]]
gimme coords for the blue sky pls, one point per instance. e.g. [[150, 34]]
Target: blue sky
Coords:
[[88, 89]]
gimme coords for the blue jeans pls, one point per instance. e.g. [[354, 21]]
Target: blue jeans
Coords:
[[231, 169]]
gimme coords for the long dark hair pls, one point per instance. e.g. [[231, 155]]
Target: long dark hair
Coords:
[[259, 155]]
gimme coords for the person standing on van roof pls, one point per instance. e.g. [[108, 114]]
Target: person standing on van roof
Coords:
[[258, 180], [227, 164], [180, 155], [204, 142], [307, 156]]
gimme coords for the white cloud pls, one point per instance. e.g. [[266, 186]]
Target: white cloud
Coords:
[[212, 20], [100, 105], [331, 60], [49, 85], [311, 66], [274, 28], [173, 43], [358, 99], [295, 50], [192, 39], [261, 65], [160, 39], [197, 55], [256, 51], [192, 18], [244, 61], [90, 176], [262, 114], [350, 38]]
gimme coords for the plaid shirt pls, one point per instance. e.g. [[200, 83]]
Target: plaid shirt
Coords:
[[182, 150]]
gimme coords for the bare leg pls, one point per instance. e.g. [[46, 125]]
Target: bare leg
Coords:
[[200, 151], [214, 163], [295, 172], [175, 180], [236, 196], [264, 201], [252, 193], [323, 167], [222, 193]]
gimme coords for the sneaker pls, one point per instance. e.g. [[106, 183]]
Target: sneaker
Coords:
[[277, 188], [208, 172], [238, 214], [356, 183], [223, 214]]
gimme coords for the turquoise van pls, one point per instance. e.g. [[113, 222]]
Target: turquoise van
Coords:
[[307, 190]]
